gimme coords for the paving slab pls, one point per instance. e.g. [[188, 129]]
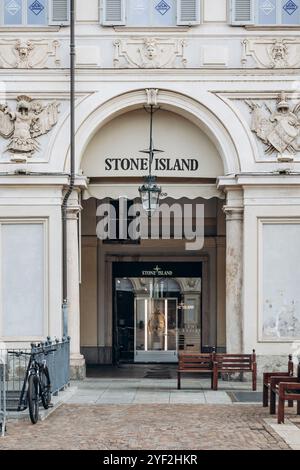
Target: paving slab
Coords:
[[217, 397]]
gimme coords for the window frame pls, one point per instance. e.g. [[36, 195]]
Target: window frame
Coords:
[[151, 24], [24, 23], [123, 21], [279, 16]]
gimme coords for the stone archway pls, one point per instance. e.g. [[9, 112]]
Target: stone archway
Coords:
[[226, 132], [208, 111]]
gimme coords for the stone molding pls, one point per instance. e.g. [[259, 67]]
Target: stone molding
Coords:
[[29, 53], [277, 127], [271, 52], [30, 120], [152, 96], [233, 213], [149, 52]]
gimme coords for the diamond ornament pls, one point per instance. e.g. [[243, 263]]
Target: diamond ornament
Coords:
[[290, 7], [36, 7], [162, 7], [13, 7], [267, 7]]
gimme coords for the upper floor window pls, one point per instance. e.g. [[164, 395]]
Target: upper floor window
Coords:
[[34, 12], [266, 12], [150, 13], [271, 12], [28, 12]]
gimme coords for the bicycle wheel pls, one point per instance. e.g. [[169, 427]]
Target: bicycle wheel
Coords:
[[45, 388], [33, 398]]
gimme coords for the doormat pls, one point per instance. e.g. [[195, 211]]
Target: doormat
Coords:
[[245, 397], [157, 374]]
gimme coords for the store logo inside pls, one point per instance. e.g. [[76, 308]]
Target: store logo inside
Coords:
[[157, 271]]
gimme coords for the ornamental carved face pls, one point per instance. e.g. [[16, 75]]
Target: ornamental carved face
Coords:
[[150, 47], [279, 51], [24, 49]]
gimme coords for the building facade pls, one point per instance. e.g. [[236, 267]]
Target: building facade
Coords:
[[223, 79]]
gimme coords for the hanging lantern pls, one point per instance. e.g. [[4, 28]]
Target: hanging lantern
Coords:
[[150, 194]]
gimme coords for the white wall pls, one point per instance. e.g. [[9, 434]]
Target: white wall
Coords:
[[215, 11], [23, 279], [271, 270], [30, 262]]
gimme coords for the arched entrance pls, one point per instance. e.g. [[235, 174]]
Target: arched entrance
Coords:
[[129, 308], [214, 119]]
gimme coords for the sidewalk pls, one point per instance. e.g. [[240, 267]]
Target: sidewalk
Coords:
[[148, 391]]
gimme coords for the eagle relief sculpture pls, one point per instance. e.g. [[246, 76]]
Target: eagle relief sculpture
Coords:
[[30, 120], [279, 129]]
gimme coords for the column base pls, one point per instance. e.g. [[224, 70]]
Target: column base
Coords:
[[77, 367]]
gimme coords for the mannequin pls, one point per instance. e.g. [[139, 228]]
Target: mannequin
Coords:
[[156, 329]]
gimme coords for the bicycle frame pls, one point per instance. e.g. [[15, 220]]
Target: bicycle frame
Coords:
[[33, 367]]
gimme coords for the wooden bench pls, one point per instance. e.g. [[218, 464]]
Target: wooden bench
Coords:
[[195, 363], [267, 378], [231, 363], [287, 389]]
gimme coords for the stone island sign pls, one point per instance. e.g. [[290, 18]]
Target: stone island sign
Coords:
[[157, 271], [159, 164]]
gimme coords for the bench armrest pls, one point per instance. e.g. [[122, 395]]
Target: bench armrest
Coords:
[[277, 380], [268, 375], [283, 386]]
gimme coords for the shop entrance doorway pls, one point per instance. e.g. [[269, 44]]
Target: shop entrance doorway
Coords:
[[156, 330], [157, 311]]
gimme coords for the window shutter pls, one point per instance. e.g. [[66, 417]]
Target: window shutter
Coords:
[[242, 12], [59, 12], [188, 12], [113, 12]]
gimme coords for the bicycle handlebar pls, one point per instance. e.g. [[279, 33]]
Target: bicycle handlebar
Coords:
[[32, 353]]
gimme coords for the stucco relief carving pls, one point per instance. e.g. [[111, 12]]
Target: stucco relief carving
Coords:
[[27, 54], [272, 52], [149, 53], [279, 129], [30, 120], [152, 96]]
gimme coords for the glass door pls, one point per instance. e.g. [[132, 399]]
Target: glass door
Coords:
[[156, 338]]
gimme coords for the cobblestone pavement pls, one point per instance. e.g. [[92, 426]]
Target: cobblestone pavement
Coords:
[[162, 426]]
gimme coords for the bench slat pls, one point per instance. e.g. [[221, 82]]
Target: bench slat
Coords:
[[233, 355], [228, 359]]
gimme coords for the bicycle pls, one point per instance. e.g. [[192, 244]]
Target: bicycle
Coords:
[[36, 381]]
